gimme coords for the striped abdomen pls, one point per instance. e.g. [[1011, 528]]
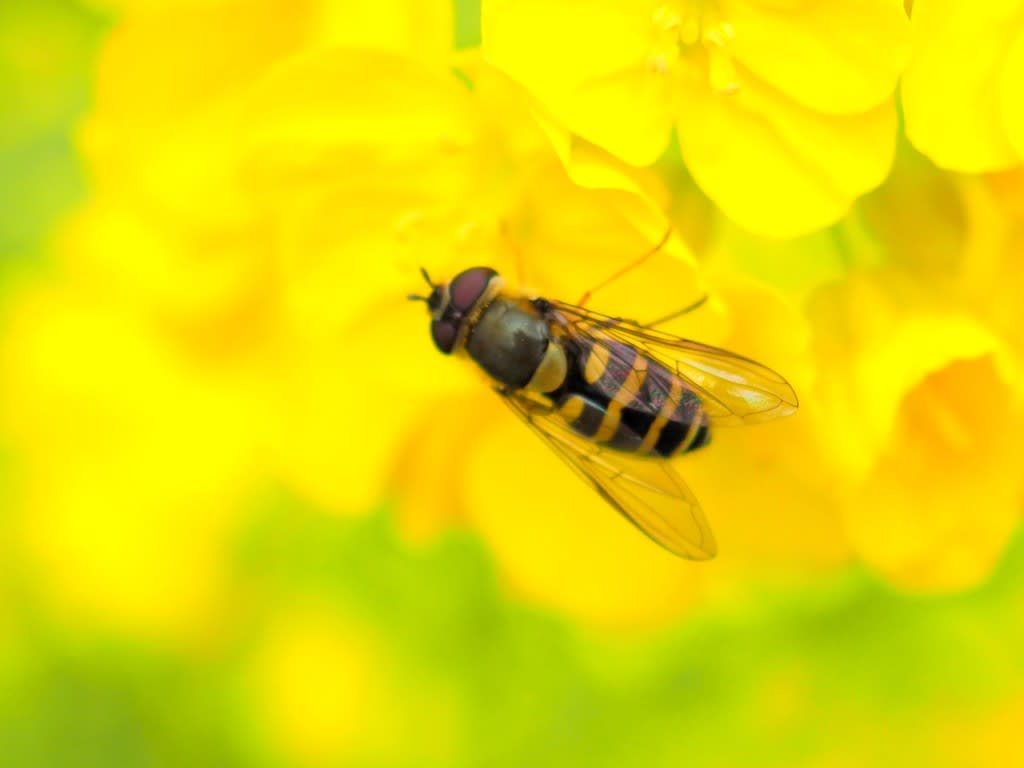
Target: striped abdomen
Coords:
[[627, 401]]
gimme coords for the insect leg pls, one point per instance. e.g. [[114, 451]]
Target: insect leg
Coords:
[[678, 313], [626, 269]]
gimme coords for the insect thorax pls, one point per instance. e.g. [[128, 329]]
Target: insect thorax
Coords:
[[509, 341]]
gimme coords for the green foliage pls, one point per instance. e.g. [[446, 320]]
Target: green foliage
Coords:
[[783, 679], [46, 54], [467, 23]]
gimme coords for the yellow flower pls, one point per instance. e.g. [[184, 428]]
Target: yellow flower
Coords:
[[962, 89], [133, 466], [175, 227], [166, 118], [215, 238], [924, 401], [784, 111], [260, 230], [912, 305], [163, 320]]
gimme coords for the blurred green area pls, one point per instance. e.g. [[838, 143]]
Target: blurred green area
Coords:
[[467, 23], [843, 673], [46, 52], [845, 668]]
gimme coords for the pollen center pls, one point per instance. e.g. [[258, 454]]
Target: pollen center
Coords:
[[692, 38]]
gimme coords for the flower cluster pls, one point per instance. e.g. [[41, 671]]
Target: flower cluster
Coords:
[[227, 311]]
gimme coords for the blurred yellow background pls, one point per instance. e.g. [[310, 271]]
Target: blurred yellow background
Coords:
[[252, 518]]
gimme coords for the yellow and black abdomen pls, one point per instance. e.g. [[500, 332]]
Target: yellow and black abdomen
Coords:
[[621, 398]]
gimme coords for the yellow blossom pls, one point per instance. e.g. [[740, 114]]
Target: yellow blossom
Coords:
[[166, 134], [165, 321], [782, 142], [128, 512], [962, 89], [335, 189], [232, 457], [911, 309], [926, 400], [943, 488], [261, 227]]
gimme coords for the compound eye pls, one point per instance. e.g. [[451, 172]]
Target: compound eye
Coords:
[[467, 287], [444, 333]]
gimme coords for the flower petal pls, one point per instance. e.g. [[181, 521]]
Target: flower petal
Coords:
[[362, 176], [214, 297], [586, 64], [943, 500], [428, 469], [1012, 86], [164, 132], [168, 63], [585, 38], [629, 114], [347, 402], [424, 31], [777, 168], [877, 336], [134, 467], [951, 97], [404, 104], [834, 57], [922, 400]]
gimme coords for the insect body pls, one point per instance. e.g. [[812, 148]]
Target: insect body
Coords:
[[613, 398]]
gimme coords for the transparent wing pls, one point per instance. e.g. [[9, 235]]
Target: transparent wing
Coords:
[[733, 389], [646, 491]]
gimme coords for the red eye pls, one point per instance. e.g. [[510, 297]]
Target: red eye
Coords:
[[467, 288], [444, 333]]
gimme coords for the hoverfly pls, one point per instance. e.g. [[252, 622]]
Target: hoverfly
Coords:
[[615, 399]]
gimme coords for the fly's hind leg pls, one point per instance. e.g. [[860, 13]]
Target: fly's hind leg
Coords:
[[678, 313], [588, 295]]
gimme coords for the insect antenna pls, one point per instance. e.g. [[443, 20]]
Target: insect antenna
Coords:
[[416, 296]]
